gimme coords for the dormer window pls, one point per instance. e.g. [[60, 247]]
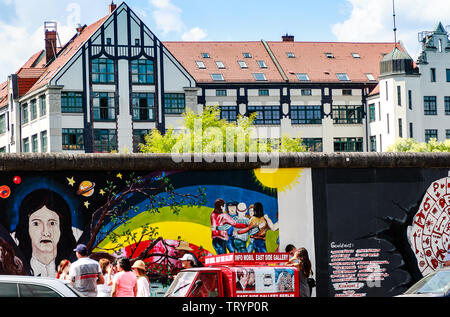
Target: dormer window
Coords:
[[259, 77], [205, 55], [302, 77], [370, 77], [329, 55], [242, 64], [220, 65], [290, 55], [343, 77], [247, 55], [356, 55], [262, 64], [217, 77], [201, 65]]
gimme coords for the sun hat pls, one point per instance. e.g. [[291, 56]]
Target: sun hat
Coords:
[[184, 246], [242, 207], [139, 265], [188, 257]]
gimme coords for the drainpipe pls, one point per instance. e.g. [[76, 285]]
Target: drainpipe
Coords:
[[275, 61]]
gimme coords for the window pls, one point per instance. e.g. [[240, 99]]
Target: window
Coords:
[[103, 71], [105, 141], [410, 99], [71, 102], [356, 55], [259, 77], [433, 75], [347, 114], [388, 122], [313, 144], [3, 149], [217, 77], [32, 291], [26, 145], [72, 139], [262, 64], [174, 103], [347, 92], [387, 91], [33, 110], [399, 95], [8, 290], [247, 55], [205, 55], [290, 55], [306, 114], [348, 144], [24, 113], [108, 41], [431, 134], [430, 105], [372, 116], [447, 72], [142, 72], [447, 105], [44, 142], [220, 65], [42, 106], [229, 113], [370, 77], [411, 130], [306, 92], [343, 77], [329, 55], [263, 92], [266, 115], [104, 106], [2, 124], [400, 128], [373, 144], [221, 92], [34, 143], [137, 42], [447, 134], [201, 65], [242, 64], [143, 107], [303, 77], [139, 138]]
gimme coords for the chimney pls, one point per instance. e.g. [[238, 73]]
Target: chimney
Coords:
[[51, 35], [79, 29], [288, 38], [112, 7]]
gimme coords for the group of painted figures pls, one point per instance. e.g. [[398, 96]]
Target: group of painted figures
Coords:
[[238, 229]]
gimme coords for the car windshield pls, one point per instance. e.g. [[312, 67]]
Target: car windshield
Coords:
[[435, 283], [180, 285]]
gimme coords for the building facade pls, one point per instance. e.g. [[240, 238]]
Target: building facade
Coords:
[[115, 81]]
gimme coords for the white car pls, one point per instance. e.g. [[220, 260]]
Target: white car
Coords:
[[436, 284], [29, 286]]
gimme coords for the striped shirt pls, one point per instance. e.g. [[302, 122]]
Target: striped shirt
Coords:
[[84, 274]]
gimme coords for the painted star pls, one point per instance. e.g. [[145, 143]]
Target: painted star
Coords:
[[102, 192], [71, 181], [119, 176], [86, 204]]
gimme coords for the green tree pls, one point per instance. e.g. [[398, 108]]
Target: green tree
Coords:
[[207, 133], [411, 145]]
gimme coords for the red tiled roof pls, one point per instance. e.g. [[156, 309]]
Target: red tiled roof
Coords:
[[3, 94], [187, 53], [375, 91]]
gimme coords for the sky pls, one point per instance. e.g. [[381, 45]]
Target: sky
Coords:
[[22, 21]]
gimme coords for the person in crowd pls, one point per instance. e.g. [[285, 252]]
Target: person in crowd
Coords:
[[63, 270], [143, 283], [187, 261], [125, 281], [85, 274], [291, 250], [303, 264], [105, 289], [184, 248]]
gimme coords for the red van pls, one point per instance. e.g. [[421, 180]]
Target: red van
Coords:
[[239, 275]]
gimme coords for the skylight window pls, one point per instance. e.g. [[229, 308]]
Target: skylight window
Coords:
[[356, 55], [259, 77], [242, 64], [343, 77], [217, 77], [370, 77], [262, 64], [290, 55], [205, 55], [220, 64], [329, 55], [201, 65], [303, 77], [247, 55]]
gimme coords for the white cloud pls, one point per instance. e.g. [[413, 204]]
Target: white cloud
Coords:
[[373, 21], [195, 34]]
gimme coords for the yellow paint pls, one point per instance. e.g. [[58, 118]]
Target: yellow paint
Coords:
[[193, 233], [280, 179]]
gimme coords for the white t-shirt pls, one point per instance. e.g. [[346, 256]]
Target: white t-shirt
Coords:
[[84, 274], [143, 287], [105, 290]]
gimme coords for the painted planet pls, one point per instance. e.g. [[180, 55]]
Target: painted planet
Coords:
[[5, 192], [86, 189], [17, 180]]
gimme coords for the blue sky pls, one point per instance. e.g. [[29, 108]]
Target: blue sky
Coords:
[[21, 21]]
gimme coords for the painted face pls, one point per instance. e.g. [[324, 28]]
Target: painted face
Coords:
[[251, 212], [232, 210], [44, 232]]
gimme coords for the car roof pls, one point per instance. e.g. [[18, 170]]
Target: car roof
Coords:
[[32, 279]]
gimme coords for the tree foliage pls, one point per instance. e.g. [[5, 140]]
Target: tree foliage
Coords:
[[207, 133], [411, 145]]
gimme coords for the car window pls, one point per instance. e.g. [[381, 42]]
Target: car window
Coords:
[[436, 283], [8, 290], [208, 287], [29, 290]]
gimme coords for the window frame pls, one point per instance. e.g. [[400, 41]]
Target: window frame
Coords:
[[340, 77], [100, 146], [174, 103], [97, 74], [302, 77], [98, 110], [263, 112], [148, 75], [338, 110], [259, 76], [71, 102], [70, 134], [430, 134], [229, 113], [351, 144], [306, 115], [149, 110], [215, 77], [314, 145], [430, 105]]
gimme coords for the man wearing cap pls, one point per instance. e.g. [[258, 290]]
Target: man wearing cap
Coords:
[[85, 273], [184, 248]]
